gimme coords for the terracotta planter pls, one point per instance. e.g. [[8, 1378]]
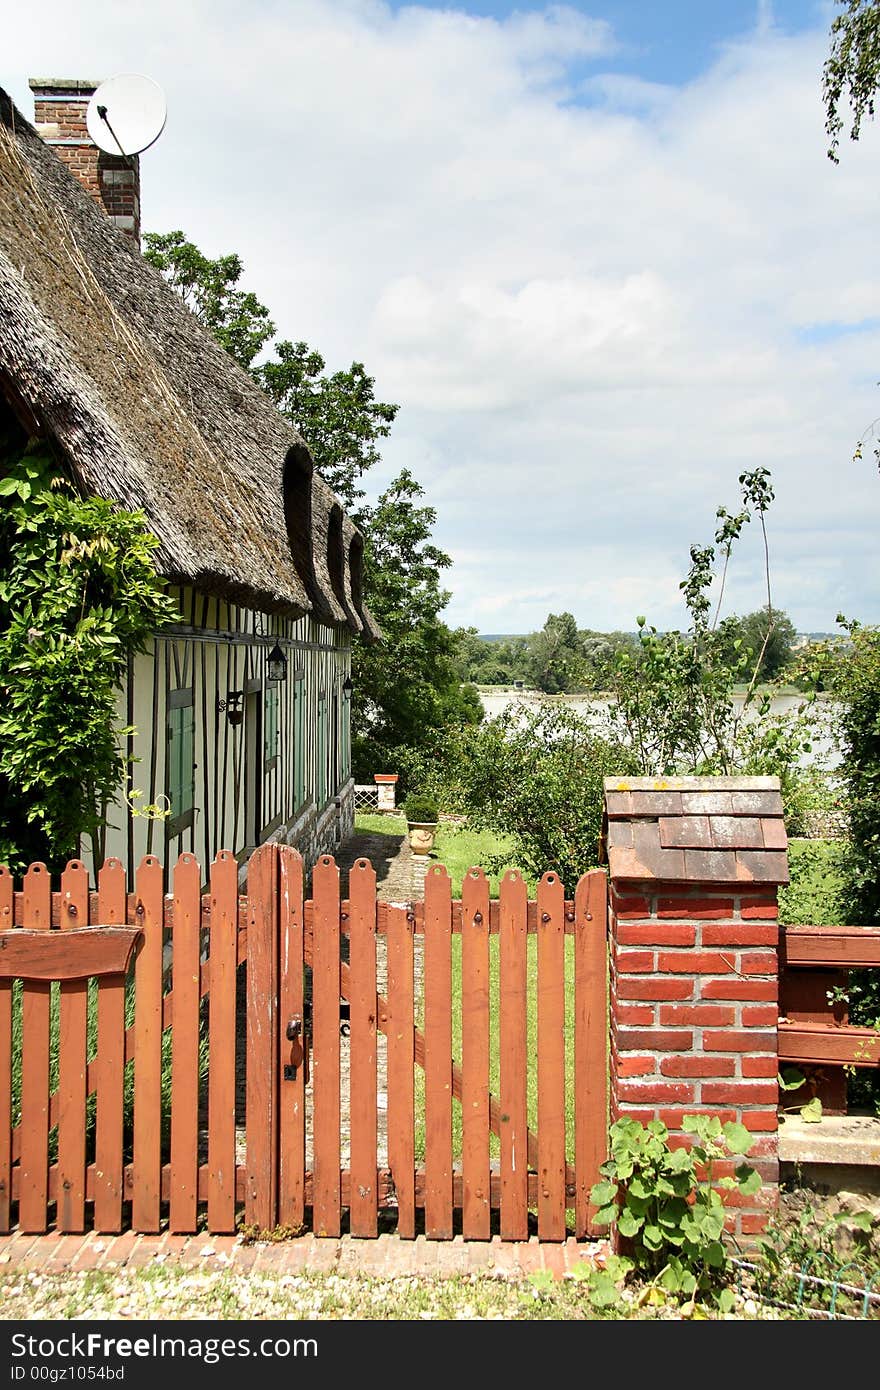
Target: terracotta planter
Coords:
[[421, 836]]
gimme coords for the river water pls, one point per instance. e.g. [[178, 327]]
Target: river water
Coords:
[[823, 752]]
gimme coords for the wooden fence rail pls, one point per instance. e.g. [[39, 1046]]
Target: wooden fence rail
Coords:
[[814, 1033]]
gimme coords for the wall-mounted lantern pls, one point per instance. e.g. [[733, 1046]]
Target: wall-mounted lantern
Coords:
[[347, 686], [232, 706], [276, 665]]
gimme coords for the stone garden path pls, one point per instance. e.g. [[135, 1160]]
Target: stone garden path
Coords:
[[400, 877]]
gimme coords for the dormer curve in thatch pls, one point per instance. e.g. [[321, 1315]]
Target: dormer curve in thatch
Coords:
[[146, 406]]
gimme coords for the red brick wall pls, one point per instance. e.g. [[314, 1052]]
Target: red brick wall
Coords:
[[113, 182], [694, 989]]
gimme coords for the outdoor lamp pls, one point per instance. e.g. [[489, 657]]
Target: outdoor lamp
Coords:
[[276, 664]]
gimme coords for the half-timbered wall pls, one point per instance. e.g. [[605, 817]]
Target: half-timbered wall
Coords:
[[279, 768]]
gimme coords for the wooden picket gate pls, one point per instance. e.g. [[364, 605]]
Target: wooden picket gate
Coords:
[[150, 1001]]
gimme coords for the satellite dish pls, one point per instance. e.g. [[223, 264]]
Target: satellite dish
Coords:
[[126, 114]]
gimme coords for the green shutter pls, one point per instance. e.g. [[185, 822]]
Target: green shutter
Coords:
[[180, 772], [299, 719], [270, 727], [322, 751]]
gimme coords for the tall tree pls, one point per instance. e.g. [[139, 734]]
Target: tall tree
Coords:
[[556, 655], [756, 639], [338, 415], [238, 320], [852, 73], [409, 685]]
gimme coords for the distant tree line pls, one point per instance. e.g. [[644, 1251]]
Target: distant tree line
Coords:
[[563, 659]]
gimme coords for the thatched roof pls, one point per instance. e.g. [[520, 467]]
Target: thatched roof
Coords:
[[150, 411]]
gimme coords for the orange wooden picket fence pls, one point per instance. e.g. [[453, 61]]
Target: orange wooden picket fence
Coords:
[[257, 1093]]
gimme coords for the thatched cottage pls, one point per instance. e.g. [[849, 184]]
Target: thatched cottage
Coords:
[[101, 358]]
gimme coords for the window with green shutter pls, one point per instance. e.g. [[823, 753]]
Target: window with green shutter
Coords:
[[270, 728], [346, 734], [321, 788], [299, 727], [179, 760]]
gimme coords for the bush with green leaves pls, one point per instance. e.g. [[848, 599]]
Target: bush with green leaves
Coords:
[[856, 687], [536, 776], [420, 810], [693, 701], [79, 593], [667, 1205]]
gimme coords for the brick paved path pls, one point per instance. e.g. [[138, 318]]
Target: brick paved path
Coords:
[[400, 877], [385, 1257]]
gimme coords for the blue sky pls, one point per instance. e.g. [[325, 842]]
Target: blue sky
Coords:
[[669, 41], [595, 251]]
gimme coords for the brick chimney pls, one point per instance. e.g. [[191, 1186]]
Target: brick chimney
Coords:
[[113, 181]]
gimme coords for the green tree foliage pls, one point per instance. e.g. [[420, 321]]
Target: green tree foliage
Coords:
[[558, 659], [535, 776], [676, 700], [237, 319], [759, 635], [79, 594], [411, 683], [407, 687], [555, 661], [337, 415], [851, 74], [856, 686], [852, 69]]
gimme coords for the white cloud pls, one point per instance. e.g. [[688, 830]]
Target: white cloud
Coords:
[[592, 314]]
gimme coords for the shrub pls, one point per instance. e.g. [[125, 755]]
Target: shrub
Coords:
[[420, 810], [537, 777], [856, 685]]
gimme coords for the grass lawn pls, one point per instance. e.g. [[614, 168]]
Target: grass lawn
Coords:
[[817, 878], [461, 849], [455, 846]]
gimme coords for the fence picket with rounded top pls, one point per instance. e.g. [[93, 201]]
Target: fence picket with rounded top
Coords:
[[72, 1062], [110, 1060], [293, 1050], [223, 939], [185, 967], [438, 1054], [6, 912], [327, 1206], [33, 1190], [149, 914], [551, 1058], [476, 1211], [400, 1018], [590, 1039], [513, 1060], [363, 1109]]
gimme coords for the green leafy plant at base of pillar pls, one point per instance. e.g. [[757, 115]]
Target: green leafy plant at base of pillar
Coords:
[[667, 1206]]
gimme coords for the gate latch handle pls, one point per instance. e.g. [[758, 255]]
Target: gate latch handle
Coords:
[[294, 1028]]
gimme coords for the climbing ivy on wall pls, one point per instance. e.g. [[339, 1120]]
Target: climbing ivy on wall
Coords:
[[79, 593]]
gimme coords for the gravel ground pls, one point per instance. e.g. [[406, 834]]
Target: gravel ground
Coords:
[[174, 1293]]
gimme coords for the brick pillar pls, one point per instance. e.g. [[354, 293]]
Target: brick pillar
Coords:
[[113, 181], [695, 864], [386, 790]]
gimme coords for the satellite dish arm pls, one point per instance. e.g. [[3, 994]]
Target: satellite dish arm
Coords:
[[102, 112]]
